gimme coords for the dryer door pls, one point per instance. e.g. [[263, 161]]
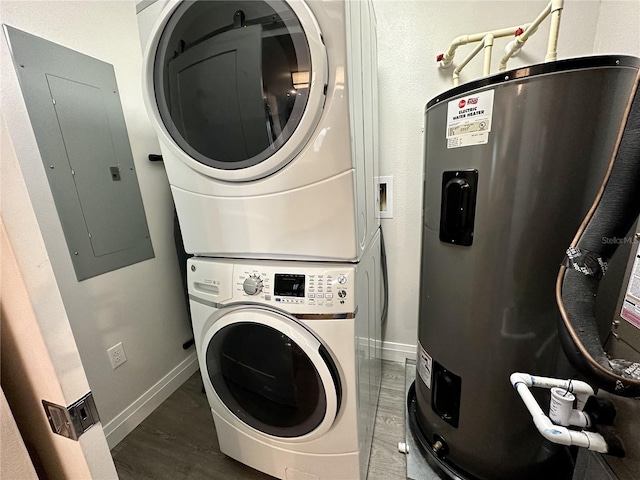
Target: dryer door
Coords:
[[272, 373], [236, 88]]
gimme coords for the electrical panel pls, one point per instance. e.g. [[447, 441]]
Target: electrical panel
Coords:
[[75, 111]]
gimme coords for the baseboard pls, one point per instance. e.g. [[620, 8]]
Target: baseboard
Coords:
[[134, 414], [398, 352]]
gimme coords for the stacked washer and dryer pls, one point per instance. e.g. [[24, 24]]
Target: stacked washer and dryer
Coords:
[[266, 112]]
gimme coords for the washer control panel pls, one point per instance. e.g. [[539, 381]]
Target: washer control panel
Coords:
[[297, 287], [321, 289]]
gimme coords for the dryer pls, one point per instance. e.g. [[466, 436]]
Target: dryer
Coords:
[[266, 112], [290, 359]]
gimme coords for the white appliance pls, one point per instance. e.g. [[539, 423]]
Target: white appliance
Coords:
[[289, 353], [266, 112]]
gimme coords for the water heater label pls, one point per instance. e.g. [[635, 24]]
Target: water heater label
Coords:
[[631, 305], [424, 365], [469, 120]]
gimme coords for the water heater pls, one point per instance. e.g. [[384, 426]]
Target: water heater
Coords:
[[512, 164]]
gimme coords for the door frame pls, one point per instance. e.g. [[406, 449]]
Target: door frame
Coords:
[[40, 358]]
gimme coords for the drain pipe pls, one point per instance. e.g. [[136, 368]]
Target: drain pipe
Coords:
[[552, 432]]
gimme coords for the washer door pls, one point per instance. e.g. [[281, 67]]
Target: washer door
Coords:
[[271, 373], [238, 86]]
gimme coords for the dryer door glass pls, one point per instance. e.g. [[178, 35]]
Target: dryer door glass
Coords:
[[267, 380], [232, 79]]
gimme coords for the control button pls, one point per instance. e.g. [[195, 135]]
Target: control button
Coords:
[[320, 302], [252, 285], [312, 295], [342, 279], [320, 295], [329, 295], [342, 293], [267, 297]]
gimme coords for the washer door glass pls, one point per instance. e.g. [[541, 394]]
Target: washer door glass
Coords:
[[232, 79], [268, 381]]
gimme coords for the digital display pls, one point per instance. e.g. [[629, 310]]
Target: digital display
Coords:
[[287, 285]]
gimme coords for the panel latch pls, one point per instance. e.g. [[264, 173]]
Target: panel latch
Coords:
[[74, 420]]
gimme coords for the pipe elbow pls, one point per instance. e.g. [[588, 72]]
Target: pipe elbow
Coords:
[[445, 64], [461, 40], [582, 388], [488, 40], [445, 60], [579, 419], [555, 433], [518, 377]]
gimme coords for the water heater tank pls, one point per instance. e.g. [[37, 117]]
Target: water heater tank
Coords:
[[512, 164]]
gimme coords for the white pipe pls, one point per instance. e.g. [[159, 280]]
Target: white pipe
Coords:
[[488, 45], [556, 433], [580, 389], [554, 7], [536, 23], [554, 30], [447, 57], [512, 49], [456, 71]]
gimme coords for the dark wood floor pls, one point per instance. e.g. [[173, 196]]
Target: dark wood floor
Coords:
[[178, 440]]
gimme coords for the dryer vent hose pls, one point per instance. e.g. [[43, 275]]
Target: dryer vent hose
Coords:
[[612, 215]]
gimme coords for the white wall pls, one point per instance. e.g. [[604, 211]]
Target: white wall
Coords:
[[141, 305], [617, 29], [410, 35]]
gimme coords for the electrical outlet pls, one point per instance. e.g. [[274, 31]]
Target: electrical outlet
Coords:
[[385, 196], [116, 355]]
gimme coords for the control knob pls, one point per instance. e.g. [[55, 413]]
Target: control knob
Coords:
[[252, 285]]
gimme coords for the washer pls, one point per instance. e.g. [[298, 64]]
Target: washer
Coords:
[[290, 358], [266, 112]]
